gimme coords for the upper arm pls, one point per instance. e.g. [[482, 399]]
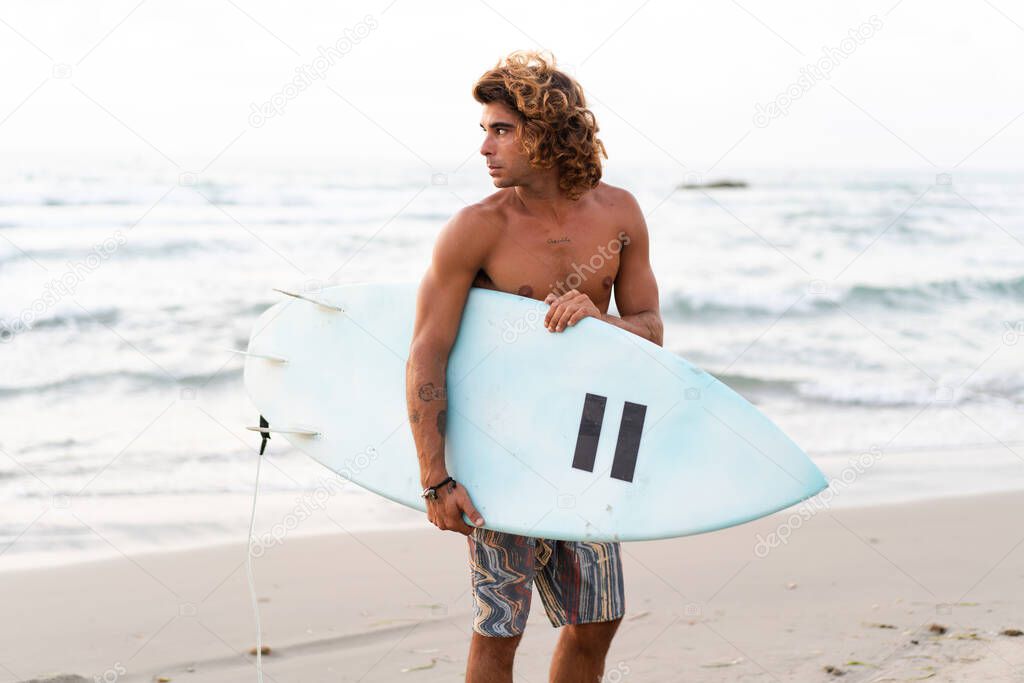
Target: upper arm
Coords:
[[459, 253], [636, 290]]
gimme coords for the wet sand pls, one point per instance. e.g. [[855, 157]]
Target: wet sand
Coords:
[[928, 590]]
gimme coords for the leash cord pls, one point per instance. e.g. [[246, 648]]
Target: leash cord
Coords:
[[249, 571]]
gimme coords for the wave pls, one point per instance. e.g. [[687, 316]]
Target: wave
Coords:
[[878, 395], [922, 297], [98, 197], [914, 229], [144, 195], [1007, 388], [878, 186], [45, 446], [86, 201], [111, 316], [124, 252], [747, 384], [135, 381], [108, 316], [940, 290]]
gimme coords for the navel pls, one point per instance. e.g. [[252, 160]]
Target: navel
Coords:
[[525, 290]]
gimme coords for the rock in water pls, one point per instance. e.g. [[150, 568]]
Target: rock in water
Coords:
[[716, 185]]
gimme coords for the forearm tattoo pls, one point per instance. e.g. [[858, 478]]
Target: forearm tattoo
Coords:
[[428, 392]]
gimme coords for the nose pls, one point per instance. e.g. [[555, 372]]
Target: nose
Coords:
[[487, 148]]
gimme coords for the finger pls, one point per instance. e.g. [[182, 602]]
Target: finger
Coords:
[[566, 296], [551, 312], [461, 527], [454, 521], [563, 318], [466, 505], [560, 313], [582, 299], [577, 316], [550, 297]]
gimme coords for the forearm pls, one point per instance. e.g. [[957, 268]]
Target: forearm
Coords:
[[427, 403], [647, 325]]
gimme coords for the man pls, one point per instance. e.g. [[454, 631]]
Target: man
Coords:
[[553, 232]]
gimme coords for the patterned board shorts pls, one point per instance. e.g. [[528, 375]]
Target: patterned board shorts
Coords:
[[579, 582]]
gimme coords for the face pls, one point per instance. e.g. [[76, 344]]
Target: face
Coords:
[[507, 164]]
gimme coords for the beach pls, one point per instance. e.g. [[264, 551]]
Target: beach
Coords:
[[832, 235], [928, 590]]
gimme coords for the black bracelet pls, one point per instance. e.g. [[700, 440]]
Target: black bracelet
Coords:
[[430, 493], [437, 486]]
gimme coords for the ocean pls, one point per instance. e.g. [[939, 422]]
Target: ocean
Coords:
[[876, 316]]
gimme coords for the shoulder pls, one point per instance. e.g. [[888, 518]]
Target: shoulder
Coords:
[[471, 231], [492, 208], [615, 199], [623, 207], [479, 221]]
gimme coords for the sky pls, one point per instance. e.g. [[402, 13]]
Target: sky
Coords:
[[700, 87]]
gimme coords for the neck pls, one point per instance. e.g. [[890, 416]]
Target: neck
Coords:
[[541, 196]]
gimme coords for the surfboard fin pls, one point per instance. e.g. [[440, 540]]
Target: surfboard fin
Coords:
[[265, 434], [311, 300], [267, 356], [264, 428]]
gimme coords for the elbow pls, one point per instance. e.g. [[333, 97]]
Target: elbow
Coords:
[[656, 330]]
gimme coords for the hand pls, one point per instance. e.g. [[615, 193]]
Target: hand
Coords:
[[568, 309], [446, 512]]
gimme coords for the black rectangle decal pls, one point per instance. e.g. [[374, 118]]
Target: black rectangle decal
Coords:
[[590, 432], [628, 445]]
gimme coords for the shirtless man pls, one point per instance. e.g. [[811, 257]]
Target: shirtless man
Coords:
[[553, 232]]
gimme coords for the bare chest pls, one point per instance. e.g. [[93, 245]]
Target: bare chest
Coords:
[[533, 260]]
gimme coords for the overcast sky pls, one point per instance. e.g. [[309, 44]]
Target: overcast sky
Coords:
[[926, 84]]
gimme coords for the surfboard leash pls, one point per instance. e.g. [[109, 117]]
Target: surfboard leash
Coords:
[[265, 434]]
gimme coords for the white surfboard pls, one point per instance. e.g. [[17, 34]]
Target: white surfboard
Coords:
[[591, 433]]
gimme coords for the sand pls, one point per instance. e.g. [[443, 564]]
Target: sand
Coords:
[[914, 591]]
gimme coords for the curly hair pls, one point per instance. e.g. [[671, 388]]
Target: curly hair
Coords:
[[555, 126]]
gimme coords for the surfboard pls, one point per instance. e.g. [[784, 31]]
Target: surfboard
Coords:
[[592, 433]]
